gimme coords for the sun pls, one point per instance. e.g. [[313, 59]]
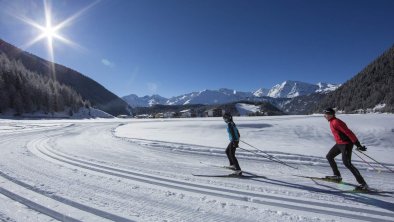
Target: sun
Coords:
[[51, 32]]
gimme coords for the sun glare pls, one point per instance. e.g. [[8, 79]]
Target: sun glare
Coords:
[[52, 32], [49, 32]]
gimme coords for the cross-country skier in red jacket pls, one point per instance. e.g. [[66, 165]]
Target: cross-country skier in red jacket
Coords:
[[345, 139]]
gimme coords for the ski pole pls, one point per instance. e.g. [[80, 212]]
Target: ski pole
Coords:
[[365, 161], [274, 160], [272, 157], [377, 162]]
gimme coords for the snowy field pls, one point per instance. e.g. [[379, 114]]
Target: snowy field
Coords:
[[142, 170]]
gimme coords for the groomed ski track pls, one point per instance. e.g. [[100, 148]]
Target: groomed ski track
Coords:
[[48, 148]]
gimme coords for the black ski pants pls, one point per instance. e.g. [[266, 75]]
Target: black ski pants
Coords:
[[346, 150], [230, 151]]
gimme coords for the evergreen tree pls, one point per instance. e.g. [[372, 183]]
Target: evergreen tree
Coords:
[[25, 91], [374, 85]]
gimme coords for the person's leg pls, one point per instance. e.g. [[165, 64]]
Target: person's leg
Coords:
[[347, 161], [228, 153], [235, 161], [335, 151]]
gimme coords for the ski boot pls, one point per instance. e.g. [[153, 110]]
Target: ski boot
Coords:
[[336, 179], [362, 188], [236, 173], [231, 167]]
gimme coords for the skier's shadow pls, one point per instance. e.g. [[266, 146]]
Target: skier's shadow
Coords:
[[356, 197]]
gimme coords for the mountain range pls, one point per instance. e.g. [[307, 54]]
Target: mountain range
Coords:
[[287, 89]]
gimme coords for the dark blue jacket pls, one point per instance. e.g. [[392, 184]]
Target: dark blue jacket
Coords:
[[233, 133]]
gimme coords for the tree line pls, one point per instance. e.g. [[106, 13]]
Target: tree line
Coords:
[[374, 85], [25, 91]]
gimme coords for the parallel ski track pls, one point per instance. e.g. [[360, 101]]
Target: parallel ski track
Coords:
[[286, 157], [30, 204], [49, 212], [37, 207], [214, 191]]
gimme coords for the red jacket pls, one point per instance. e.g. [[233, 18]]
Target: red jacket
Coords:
[[342, 134]]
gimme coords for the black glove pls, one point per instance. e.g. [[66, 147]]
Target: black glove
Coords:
[[359, 147]]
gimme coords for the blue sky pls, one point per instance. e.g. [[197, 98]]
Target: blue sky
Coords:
[[171, 47]]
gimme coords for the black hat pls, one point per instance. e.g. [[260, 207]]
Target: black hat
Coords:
[[329, 111], [228, 117]]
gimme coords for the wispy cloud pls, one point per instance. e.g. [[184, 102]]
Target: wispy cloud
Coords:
[[152, 87], [108, 63]]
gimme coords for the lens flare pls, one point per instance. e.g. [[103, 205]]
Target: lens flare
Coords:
[[52, 32]]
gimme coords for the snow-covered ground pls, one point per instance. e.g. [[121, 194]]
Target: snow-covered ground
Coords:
[[142, 170]]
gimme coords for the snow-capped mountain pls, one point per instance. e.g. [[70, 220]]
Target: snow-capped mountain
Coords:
[[207, 97], [287, 89], [261, 92], [291, 89], [145, 101]]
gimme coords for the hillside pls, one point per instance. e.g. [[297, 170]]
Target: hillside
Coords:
[[90, 90], [371, 88], [24, 91]]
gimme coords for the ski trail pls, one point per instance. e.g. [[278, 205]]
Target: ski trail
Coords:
[[285, 157], [311, 206], [47, 211], [37, 207]]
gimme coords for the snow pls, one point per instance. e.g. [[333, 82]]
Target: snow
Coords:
[[378, 107], [327, 87], [261, 92], [291, 89], [141, 170], [246, 109]]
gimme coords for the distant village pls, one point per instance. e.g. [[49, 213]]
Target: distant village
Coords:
[[193, 113], [187, 113]]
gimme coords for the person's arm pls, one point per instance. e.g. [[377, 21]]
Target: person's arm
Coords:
[[344, 129]]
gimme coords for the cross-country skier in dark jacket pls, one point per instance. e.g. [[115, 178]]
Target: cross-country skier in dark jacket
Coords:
[[234, 136], [344, 139]]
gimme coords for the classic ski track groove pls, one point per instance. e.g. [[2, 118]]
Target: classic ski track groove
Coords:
[[30, 204], [37, 207], [196, 188], [286, 157], [56, 215]]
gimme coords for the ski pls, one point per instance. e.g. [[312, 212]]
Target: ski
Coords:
[[326, 180], [220, 175], [249, 174], [367, 191], [219, 166], [320, 178], [230, 176]]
